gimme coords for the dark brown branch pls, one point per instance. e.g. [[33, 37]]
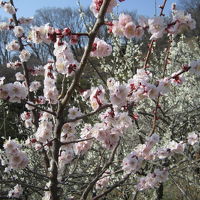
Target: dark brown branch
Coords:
[[152, 41], [76, 141], [61, 105], [42, 109], [90, 114], [92, 35], [93, 182], [112, 187], [25, 68], [162, 8]]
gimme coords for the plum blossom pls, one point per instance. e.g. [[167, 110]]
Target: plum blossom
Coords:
[[132, 163], [29, 107], [41, 34], [66, 157], [34, 86], [19, 76], [68, 135], [152, 91], [181, 22], [65, 62], [97, 97], [81, 148], [164, 86], [156, 27], [143, 22], [14, 65], [27, 117], [177, 79], [24, 55], [37, 71], [122, 122], [16, 192], [152, 180], [63, 51], [2, 80], [15, 92], [74, 113], [17, 158], [134, 160], [103, 181], [118, 94], [153, 139], [176, 147], [107, 135], [18, 31], [9, 8], [4, 26], [27, 20], [96, 5], [124, 19], [125, 26], [100, 48], [44, 131], [13, 46], [40, 100], [193, 138], [163, 153], [50, 90], [129, 30]]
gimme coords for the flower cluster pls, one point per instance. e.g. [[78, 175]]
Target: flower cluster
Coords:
[[50, 90], [193, 138], [17, 158], [152, 180], [118, 93], [67, 148], [82, 147], [14, 65], [42, 34], [157, 26], [65, 62], [171, 148], [103, 181], [27, 117], [44, 131], [125, 26], [14, 92], [18, 31], [24, 55], [97, 97], [133, 161], [100, 48], [13, 46], [16, 192], [113, 125], [8, 7], [34, 86], [96, 5]]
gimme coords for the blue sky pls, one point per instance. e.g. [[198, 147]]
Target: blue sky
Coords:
[[27, 8]]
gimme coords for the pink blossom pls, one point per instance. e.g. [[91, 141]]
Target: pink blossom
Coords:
[[101, 48], [193, 138], [129, 30], [9, 8], [13, 46], [18, 31], [156, 27], [96, 6], [16, 192]]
